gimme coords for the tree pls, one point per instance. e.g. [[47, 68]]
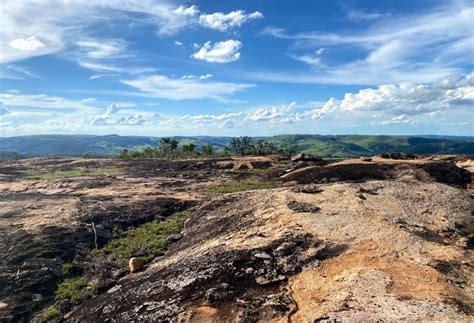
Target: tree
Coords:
[[242, 146], [188, 148], [208, 150], [168, 146]]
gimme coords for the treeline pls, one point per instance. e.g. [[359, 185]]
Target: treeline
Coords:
[[169, 148]]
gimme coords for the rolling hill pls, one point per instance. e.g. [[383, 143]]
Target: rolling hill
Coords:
[[326, 146]]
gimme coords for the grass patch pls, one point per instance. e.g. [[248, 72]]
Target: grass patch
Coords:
[[146, 241], [42, 175], [72, 289], [239, 186], [51, 313]]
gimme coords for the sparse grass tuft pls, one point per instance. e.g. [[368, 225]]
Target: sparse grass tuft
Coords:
[[148, 240], [239, 186], [66, 269], [51, 313], [72, 289], [42, 175]]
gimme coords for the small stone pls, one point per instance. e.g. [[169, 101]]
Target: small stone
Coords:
[[135, 264], [37, 297], [3, 306], [366, 159], [262, 255], [114, 289]]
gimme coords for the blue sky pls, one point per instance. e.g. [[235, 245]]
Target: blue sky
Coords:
[[265, 67]]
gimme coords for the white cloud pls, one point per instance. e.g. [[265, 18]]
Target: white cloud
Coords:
[[224, 22], [419, 48], [111, 117], [107, 68], [221, 52], [395, 120], [205, 76], [405, 99], [3, 110], [178, 43], [39, 27], [43, 101], [361, 15], [16, 72], [29, 44], [158, 86], [313, 59], [102, 49], [192, 76], [266, 114]]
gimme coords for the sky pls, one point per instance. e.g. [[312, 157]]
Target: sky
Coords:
[[164, 67]]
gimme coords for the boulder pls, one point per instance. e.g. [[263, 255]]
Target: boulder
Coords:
[[303, 157], [135, 264]]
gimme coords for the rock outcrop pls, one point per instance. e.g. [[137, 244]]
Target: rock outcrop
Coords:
[[382, 249], [365, 240]]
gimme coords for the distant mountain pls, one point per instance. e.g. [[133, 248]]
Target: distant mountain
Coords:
[[326, 146]]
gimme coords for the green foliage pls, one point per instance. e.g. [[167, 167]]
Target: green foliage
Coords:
[[51, 313], [146, 241], [66, 270], [73, 289], [42, 175], [208, 150], [239, 186]]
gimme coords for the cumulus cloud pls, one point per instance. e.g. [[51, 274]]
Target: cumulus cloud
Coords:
[[39, 27], [159, 86], [224, 22], [110, 117], [405, 99], [266, 114], [220, 52], [29, 44]]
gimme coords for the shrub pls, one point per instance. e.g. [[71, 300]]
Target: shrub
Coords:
[[51, 313], [72, 289]]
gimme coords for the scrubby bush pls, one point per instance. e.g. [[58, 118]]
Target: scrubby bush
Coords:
[[51, 313]]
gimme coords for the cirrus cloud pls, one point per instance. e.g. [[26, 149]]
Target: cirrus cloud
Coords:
[[159, 86]]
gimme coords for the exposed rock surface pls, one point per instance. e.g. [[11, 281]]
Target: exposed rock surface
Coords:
[[353, 240], [50, 206], [403, 252]]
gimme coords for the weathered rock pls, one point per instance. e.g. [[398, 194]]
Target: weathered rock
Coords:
[[64, 305], [174, 237], [135, 264], [304, 157], [296, 206], [220, 293]]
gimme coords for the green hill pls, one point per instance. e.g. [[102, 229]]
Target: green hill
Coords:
[[325, 146]]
